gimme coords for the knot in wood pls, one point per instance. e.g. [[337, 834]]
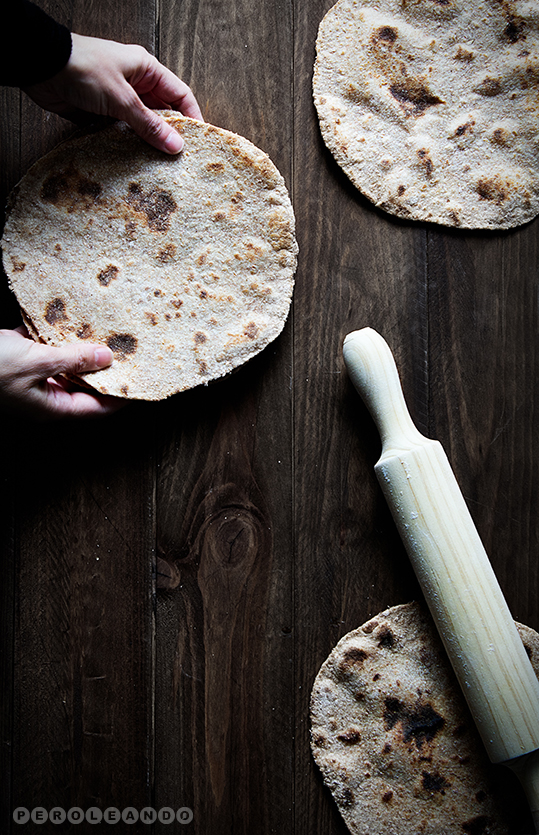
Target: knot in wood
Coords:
[[233, 536]]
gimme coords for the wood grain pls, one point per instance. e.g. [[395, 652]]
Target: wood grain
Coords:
[[239, 527], [83, 515], [224, 698]]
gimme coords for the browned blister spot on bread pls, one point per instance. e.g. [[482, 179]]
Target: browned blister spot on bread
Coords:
[[463, 130], [413, 95], [18, 266], [71, 190], [425, 161], [166, 254], [386, 34], [488, 86], [500, 136], [281, 233], [354, 656], [418, 723], [215, 167], [54, 187], [385, 637], [262, 168], [463, 53], [493, 188], [122, 344], [251, 330], [346, 797], [515, 29], [106, 275], [350, 737], [55, 311], [434, 782], [85, 331], [353, 659], [154, 204]]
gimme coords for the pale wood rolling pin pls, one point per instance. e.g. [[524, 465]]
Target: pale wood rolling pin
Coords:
[[455, 574]]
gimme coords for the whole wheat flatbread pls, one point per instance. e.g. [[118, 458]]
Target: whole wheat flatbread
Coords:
[[431, 107], [394, 739], [183, 265]]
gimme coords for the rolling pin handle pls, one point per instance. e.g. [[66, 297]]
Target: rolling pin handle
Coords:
[[373, 371]]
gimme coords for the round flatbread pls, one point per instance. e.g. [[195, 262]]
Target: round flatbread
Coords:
[[183, 265], [431, 107], [394, 739]]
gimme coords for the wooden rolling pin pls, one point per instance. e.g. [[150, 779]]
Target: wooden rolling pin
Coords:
[[455, 574]]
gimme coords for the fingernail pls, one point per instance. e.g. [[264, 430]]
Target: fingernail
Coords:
[[102, 357], [173, 142]]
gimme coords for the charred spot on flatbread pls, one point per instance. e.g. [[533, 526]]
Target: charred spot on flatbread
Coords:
[[153, 204], [18, 266], [69, 188], [106, 275], [494, 189], [251, 330], [85, 331], [417, 723], [55, 311], [516, 28], [386, 34], [122, 344], [434, 782], [413, 95], [167, 253]]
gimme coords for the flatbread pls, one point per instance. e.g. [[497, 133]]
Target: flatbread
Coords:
[[394, 739], [431, 107], [183, 265]]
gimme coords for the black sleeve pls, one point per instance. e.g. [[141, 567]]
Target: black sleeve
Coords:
[[33, 46]]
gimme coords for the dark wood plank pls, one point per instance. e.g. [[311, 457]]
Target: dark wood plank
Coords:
[[483, 393], [83, 499], [359, 268], [485, 389], [224, 676], [9, 174], [83, 651]]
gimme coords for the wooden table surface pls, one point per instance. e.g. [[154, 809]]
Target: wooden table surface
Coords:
[[174, 576]]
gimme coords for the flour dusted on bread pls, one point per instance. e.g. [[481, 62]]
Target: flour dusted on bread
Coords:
[[183, 265], [432, 108], [393, 737]]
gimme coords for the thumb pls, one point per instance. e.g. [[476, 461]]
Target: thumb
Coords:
[[148, 124], [73, 359]]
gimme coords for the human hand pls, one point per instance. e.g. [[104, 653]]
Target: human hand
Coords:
[[119, 80], [30, 383]]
